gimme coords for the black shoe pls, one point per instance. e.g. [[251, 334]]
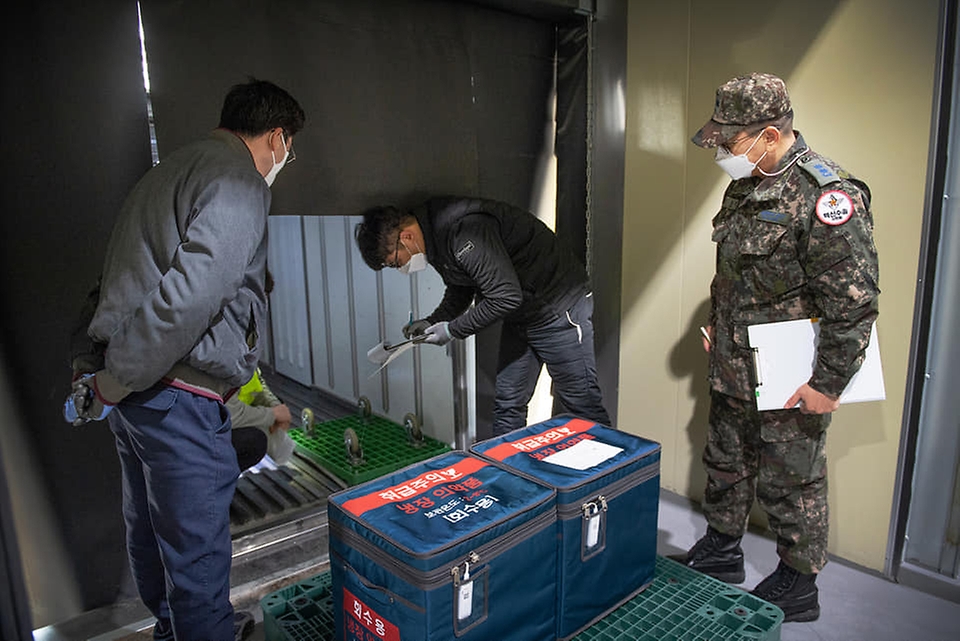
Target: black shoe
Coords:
[[243, 625], [163, 630], [794, 593], [716, 554]]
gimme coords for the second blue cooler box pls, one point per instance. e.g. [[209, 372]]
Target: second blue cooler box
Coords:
[[454, 547], [608, 490]]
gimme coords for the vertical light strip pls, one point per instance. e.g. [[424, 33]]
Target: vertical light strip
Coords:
[[154, 151]]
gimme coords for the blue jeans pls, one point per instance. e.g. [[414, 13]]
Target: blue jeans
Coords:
[[565, 346], [179, 474]]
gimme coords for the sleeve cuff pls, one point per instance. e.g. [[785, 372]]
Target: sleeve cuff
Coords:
[[454, 331], [109, 390], [831, 385]]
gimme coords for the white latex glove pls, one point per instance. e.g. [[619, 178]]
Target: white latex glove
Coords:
[[438, 334]]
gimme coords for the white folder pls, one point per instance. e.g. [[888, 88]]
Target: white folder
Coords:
[[784, 354]]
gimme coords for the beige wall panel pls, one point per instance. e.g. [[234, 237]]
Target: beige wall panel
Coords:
[[896, 50], [653, 227], [860, 74]]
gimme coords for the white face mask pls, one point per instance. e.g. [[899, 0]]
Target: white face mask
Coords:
[[738, 166], [417, 262], [277, 166]]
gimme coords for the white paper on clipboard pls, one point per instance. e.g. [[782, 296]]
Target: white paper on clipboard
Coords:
[[784, 354]]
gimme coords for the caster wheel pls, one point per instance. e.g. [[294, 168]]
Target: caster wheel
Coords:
[[306, 421], [364, 407], [412, 425], [352, 442]]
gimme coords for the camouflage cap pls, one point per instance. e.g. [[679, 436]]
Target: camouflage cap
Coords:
[[741, 102]]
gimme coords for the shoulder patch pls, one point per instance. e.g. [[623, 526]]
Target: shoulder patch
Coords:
[[821, 172], [777, 217], [834, 207], [466, 249]]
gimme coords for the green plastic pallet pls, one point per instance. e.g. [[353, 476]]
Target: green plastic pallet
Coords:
[[385, 444], [680, 604], [300, 612], [684, 605]]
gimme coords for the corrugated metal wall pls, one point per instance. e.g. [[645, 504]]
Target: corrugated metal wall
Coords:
[[328, 309]]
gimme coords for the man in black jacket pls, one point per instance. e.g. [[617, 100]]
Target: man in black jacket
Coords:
[[514, 269]]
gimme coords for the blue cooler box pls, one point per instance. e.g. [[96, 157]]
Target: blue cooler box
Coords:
[[453, 547], [608, 489]]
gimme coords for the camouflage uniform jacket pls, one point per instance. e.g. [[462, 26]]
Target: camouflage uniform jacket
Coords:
[[779, 259]]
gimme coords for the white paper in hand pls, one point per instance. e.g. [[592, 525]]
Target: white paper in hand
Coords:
[[280, 446], [784, 356], [380, 354]]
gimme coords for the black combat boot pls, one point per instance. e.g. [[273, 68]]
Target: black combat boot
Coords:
[[794, 593], [716, 554]]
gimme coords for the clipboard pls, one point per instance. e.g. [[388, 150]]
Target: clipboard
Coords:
[[785, 352]]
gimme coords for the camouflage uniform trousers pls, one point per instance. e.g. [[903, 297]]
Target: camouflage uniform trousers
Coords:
[[778, 458]]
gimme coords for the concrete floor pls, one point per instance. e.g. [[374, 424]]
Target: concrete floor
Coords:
[[855, 605]]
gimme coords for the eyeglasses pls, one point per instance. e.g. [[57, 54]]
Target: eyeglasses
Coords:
[[396, 254], [730, 144]]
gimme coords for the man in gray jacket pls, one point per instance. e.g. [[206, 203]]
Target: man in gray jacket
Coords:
[[180, 312]]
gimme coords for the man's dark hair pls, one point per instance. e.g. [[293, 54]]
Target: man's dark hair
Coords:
[[257, 106], [377, 234]]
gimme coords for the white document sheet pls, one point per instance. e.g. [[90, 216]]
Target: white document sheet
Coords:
[[379, 354], [584, 455], [784, 354]]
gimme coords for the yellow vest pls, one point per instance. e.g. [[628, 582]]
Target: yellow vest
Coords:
[[250, 389]]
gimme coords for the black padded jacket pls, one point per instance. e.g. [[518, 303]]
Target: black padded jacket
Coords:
[[500, 257]]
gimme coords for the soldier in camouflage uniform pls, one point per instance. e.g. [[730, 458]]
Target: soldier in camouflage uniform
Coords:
[[794, 240]]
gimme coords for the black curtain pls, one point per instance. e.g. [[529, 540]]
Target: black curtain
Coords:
[[572, 72], [15, 620], [75, 140], [405, 99]]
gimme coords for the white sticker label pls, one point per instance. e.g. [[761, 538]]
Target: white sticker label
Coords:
[[465, 600], [584, 455], [834, 207], [593, 530]]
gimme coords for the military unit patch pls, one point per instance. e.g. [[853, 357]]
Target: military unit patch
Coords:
[[834, 207]]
